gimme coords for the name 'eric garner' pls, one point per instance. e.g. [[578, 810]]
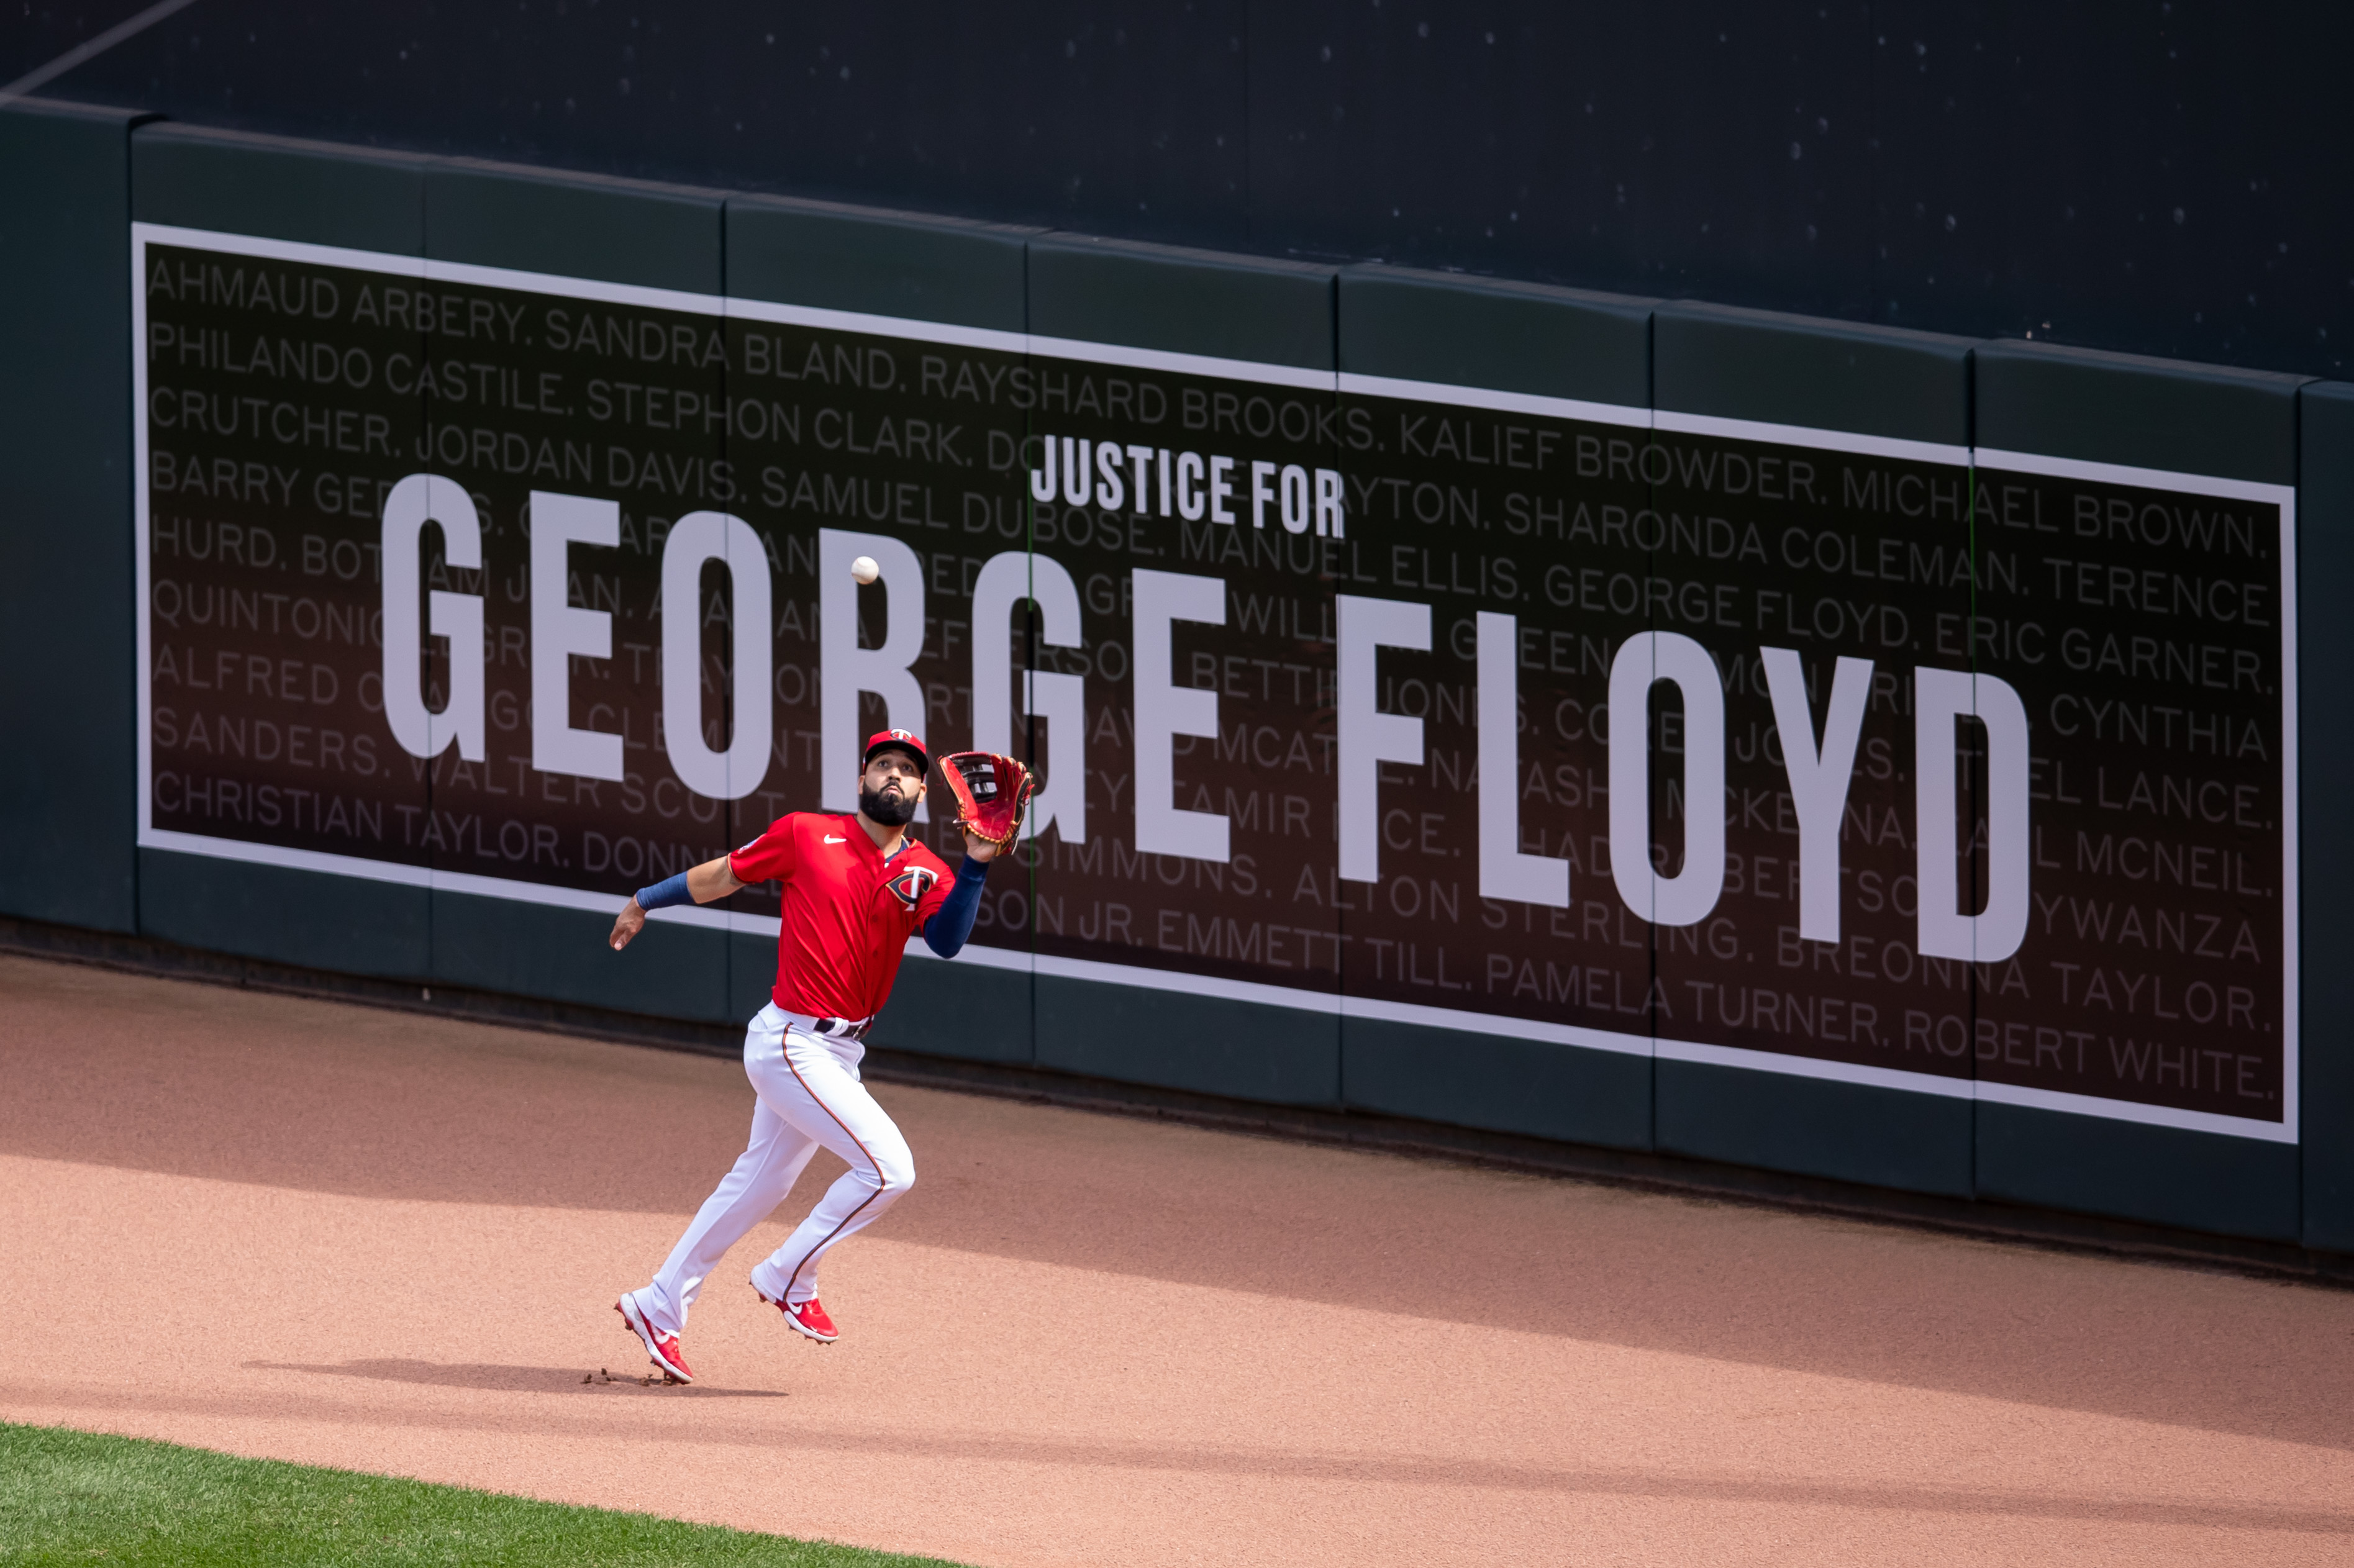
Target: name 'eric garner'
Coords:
[[855, 889]]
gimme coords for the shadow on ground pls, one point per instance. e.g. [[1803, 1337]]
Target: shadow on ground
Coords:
[[209, 1082], [505, 1379]]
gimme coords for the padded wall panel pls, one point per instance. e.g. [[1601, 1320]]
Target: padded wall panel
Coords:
[[670, 970], [877, 263], [1196, 1041], [1273, 313], [68, 784], [1878, 382], [962, 274], [344, 924], [2326, 758], [1850, 1132], [751, 973], [315, 194], [2147, 413], [1497, 1082], [1449, 330], [2233, 1186], [1797, 370], [575, 225], [1187, 301], [959, 1008], [2203, 419], [1482, 332], [606, 231]]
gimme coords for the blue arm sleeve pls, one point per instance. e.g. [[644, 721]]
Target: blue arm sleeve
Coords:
[[663, 894], [944, 932]]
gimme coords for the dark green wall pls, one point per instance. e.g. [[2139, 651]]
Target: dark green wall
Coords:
[[1479, 332], [1833, 375], [877, 263], [1548, 343], [315, 193], [2325, 638], [615, 231], [1797, 370], [538, 220], [1185, 301], [2117, 409], [318, 193], [2147, 413], [830, 256], [66, 784], [68, 698]]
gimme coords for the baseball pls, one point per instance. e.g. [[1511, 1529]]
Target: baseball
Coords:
[[865, 569]]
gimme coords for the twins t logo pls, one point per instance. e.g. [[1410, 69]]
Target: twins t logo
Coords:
[[910, 885]]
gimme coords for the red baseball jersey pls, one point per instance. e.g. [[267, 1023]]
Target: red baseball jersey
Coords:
[[848, 912]]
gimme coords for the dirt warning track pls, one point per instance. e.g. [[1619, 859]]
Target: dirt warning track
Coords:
[[336, 1234]]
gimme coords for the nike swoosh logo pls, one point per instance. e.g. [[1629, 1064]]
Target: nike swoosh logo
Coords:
[[831, 840]]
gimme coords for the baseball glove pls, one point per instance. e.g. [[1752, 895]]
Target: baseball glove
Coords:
[[992, 792]]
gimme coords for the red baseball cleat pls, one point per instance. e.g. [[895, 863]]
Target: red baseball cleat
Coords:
[[662, 1347], [809, 1319]]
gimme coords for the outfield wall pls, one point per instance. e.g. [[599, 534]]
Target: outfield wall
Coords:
[[1310, 588]]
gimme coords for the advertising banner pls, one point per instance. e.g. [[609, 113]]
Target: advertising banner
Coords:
[[1968, 774]]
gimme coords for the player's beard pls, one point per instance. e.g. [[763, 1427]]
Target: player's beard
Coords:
[[893, 810]]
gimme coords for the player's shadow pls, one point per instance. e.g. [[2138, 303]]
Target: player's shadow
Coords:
[[491, 1379]]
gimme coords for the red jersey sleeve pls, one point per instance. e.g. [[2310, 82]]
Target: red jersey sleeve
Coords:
[[775, 855]]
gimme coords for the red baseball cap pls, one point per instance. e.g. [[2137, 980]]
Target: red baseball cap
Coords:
[[899, 740]]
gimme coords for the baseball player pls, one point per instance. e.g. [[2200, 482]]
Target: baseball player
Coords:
[[855, 889]]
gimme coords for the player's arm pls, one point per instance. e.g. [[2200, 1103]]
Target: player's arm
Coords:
[[951, 922], [700, 885]]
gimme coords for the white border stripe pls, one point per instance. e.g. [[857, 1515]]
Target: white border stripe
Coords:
[[2149, 1115], [1326, 1003], [143, 234], [1017, 959], [1174, 364], [432, 880], [1801, 436], [290, 859], [1376, 1010], [1294, 997], [2291, 909], [142, 471], [469, 274], [2284, 497], [817, 319], [1545, 407], [1814, 1068]]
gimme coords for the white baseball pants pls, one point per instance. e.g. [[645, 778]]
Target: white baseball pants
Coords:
[[809, 1095]]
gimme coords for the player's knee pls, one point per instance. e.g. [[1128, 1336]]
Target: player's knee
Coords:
[[894, 1172]]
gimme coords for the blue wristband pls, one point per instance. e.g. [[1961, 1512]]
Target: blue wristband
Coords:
[[669, 890]]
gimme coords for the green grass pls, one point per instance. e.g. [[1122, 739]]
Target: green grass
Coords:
[[78, 1496]]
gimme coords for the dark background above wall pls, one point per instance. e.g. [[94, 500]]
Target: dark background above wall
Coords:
[[2158, 179]]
